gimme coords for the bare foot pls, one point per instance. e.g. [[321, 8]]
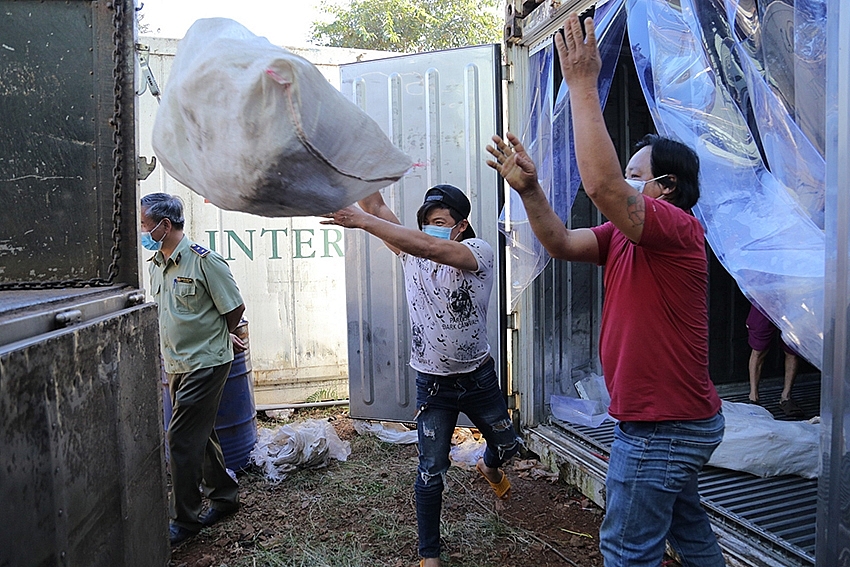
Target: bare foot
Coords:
[[430, 562], [493, 475]]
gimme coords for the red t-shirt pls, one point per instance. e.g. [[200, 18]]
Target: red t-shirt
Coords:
[[653, 342]]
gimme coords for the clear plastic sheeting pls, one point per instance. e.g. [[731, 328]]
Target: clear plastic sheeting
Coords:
[[547, 137], [466, 447], [791, 157], [590, 408], [387, 431], [590, 413], [527, 257], [759, 229]]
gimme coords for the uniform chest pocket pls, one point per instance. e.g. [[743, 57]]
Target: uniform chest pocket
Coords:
[[184, 296]]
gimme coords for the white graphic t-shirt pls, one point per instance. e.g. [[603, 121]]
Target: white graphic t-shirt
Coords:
[[448, 311]]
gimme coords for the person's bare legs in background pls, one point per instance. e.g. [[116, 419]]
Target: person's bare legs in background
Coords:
[[761, 332]]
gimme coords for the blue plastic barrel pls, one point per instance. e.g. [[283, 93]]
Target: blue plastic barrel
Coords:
[[236, 422]]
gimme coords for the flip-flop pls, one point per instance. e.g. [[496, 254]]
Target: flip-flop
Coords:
[[501, 488], [790, 408]]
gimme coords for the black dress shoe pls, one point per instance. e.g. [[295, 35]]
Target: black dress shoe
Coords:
[[178, 535], [214, 515]]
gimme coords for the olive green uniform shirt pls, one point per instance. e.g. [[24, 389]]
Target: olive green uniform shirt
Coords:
[[193, 290]]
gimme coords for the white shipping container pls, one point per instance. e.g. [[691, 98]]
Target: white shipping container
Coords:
[[290, 270]]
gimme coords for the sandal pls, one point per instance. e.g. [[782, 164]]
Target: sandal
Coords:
[[501, 488], [790, 408]]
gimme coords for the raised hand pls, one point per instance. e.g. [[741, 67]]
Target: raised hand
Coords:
[[579, 57], [513, 163]]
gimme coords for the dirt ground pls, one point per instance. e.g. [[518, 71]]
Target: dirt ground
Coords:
[[361, 513]]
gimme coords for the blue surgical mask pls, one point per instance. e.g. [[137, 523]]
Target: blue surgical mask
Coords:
[[148, 241], [444, 232]]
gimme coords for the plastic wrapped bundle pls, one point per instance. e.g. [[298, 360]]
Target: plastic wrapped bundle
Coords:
[[309, 444], [255, 128]]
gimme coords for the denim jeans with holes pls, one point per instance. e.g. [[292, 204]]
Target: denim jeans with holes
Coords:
[[439, 399], [651, 494]]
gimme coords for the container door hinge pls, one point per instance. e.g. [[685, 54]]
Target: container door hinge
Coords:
[[67, 318], [512, 321], [513, 401], [144, 167], [508, 72], [135, 298]]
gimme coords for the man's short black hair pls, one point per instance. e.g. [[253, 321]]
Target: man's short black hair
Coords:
[[669, 156], [160, 206]]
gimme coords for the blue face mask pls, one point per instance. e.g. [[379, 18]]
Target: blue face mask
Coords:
[[148, 242], [443, 232]]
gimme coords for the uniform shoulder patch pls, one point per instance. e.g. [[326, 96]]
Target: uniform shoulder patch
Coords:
[[199, 250]]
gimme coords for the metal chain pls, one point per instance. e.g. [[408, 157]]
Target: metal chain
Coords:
[[118, 60]]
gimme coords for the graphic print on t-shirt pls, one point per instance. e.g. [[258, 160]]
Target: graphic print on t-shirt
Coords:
[[417, 340], [460, 303], [448, 311]]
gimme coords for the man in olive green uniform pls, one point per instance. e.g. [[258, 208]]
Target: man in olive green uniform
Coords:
[[199, 308]]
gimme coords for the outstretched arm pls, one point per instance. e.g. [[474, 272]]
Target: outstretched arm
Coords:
[[597, 159], [399, 238], [517, 168], [374, 205]]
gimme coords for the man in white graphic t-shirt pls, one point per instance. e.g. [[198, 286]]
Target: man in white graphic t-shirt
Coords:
[[448, 275]]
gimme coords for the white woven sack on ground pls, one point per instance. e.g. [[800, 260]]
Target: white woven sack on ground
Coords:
[[756, 443], [255, 128]]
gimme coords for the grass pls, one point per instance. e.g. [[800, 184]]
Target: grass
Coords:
[[353, 514], [361, 513]]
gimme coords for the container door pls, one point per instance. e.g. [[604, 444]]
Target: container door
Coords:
[[441, 108]]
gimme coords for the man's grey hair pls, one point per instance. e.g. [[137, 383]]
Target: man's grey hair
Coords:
[[160, 206]]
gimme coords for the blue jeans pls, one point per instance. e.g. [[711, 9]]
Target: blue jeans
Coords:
[[652, 494], [439, 399]]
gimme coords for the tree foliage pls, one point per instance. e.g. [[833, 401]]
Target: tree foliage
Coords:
[[409, 25]]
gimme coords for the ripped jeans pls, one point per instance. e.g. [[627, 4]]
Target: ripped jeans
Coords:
[[439, 399]]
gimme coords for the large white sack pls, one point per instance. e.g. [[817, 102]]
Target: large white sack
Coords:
[[757, 443], [255, 128]]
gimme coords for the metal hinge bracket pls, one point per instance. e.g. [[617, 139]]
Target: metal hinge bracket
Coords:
[[508, 73], [144, 167], [513, 401]]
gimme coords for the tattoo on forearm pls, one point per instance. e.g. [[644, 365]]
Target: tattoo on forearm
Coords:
[[637, 210]]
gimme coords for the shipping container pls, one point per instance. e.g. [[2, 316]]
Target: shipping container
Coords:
[[82, 473], [550, 311]]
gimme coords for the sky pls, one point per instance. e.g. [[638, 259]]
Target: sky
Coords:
[[283, 22]]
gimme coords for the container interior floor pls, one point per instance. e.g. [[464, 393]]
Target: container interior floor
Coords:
[[780, 511]]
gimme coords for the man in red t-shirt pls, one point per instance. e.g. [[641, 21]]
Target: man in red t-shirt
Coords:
[[654, 332]]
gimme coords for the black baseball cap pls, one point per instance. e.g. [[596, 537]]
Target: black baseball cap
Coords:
[[451, 197]]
